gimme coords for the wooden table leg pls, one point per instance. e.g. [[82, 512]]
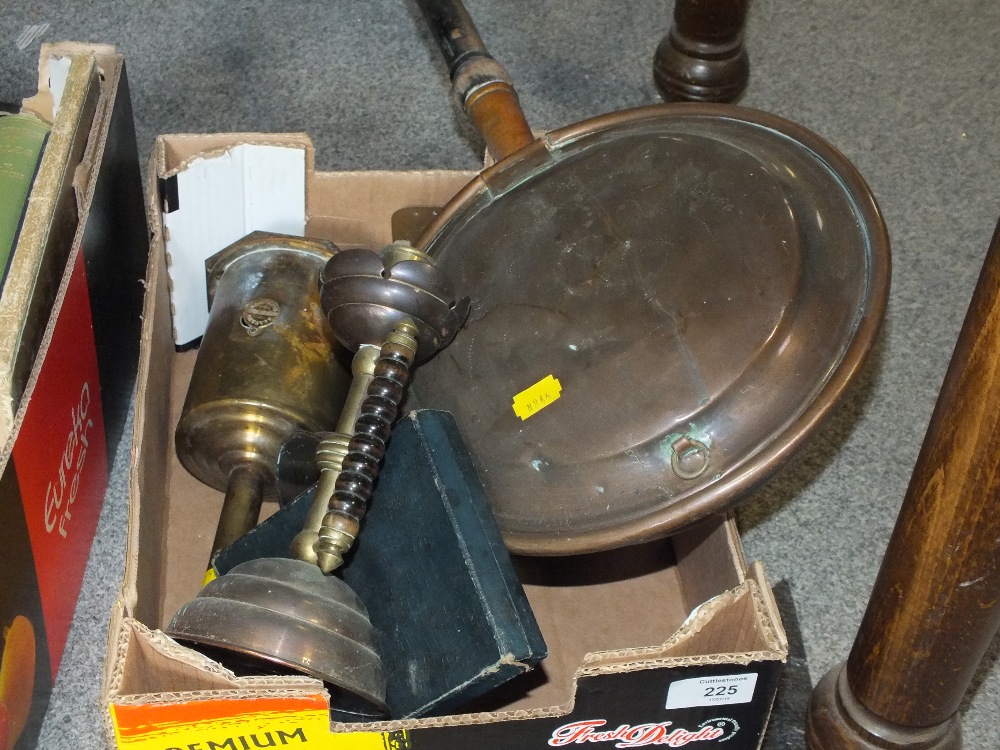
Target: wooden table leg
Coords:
[[935, 606], [702, 58]]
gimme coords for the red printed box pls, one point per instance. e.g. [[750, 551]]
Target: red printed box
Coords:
[[78, 354]]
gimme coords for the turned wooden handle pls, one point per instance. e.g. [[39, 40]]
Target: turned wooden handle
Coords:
[[481, 83]]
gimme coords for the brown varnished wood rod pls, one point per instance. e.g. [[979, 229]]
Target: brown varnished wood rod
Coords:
[[481, 83], [702, 58], [935, 606]]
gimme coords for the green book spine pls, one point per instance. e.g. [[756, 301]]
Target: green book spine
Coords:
[[22, 138]]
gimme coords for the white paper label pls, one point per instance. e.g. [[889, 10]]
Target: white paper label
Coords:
[[718, 690]]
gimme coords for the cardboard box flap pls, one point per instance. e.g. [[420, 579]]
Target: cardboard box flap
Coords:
[[174, 153], [771, 623], [151, 443], [156, 669], [53, 68], [736, 623], [700, 551], [111, 68]]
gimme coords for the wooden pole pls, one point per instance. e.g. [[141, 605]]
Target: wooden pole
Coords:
[[935, 606], [702, 57], [481, 83]]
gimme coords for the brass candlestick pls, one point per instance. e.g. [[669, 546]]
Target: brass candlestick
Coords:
[[392, 308]]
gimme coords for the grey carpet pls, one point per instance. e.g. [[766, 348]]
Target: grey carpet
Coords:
[[910, 91]]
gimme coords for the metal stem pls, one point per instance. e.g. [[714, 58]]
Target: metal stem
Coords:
[[241, 506], [331, 451]]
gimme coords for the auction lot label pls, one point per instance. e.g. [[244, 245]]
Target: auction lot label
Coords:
[[718, 690]]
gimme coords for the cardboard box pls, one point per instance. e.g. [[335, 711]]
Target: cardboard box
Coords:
[[670, 643], [88, 269]]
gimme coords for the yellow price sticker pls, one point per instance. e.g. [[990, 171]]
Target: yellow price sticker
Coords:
[[532, 400]]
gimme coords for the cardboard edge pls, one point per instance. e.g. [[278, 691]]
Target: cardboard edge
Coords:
[[770, 623], [197, 146], [42, 234], [736, 544], [131, 633], [69, 48], [454, 720], [114, 663], [110, 69], [42, 103], [166, 699], [147, 455], [356, 174]]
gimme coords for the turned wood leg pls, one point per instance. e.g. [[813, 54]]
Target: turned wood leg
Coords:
[[702, 58], [935, 606]]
